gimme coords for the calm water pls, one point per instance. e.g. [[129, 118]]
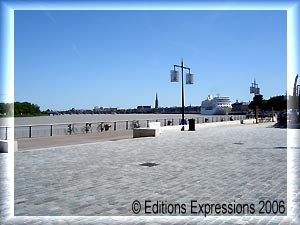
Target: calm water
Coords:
[[95, 118], [41, 125]]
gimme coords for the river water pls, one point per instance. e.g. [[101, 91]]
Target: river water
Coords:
[[41, 125]]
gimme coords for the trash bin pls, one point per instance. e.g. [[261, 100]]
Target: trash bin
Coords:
[[191, 124]]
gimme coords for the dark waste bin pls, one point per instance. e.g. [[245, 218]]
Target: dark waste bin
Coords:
[[191, 124]]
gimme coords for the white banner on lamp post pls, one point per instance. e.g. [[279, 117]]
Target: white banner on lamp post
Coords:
[[174, 76], [189, 79]]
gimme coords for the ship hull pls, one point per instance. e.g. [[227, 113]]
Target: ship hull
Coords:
[[216, 111]]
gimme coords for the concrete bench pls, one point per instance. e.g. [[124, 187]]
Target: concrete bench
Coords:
[[155, 125], [145, 132]]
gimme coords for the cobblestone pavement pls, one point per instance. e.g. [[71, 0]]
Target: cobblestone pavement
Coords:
[[240, 164]]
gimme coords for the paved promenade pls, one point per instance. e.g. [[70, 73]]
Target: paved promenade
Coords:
[[229, 165], [25, 144]]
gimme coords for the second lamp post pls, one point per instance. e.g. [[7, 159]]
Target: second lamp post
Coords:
[[189, 80]]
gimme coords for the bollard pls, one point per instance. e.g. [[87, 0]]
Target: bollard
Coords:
[[256, 114], [29, 131]]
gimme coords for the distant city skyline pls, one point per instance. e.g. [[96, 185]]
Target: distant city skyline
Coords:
[[83, 59]]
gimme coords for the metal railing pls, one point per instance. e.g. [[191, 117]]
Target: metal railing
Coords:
[[44, 130]]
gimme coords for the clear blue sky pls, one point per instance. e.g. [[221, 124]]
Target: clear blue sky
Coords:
[[82, 59]]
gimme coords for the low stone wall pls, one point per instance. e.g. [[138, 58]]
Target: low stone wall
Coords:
[[214, 124], [226, 123]]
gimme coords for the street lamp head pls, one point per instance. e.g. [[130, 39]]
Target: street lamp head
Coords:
[[189, 78], [174, 76]]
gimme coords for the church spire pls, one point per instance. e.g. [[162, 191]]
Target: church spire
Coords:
[[156, 102]]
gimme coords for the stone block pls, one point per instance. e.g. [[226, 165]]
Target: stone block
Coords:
[[145, 132], [155, 125]]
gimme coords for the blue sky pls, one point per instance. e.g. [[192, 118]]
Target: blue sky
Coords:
[[82, 59]]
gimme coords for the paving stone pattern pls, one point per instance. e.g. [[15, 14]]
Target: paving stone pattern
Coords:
[[230, 164]]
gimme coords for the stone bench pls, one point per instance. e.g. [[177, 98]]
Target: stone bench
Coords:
[[155, 125], [145, 132]]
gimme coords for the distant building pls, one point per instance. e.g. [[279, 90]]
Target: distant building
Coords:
[[144, 107], [240, 107], [102, 110], [178, 110], [110, 110]]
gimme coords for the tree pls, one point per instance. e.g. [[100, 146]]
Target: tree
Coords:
[[257, 101], [279, 103], [23, 108]]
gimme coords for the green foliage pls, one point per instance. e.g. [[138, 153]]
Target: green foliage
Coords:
[[257, 101], [19, 109], [25, 108], [279, 103]]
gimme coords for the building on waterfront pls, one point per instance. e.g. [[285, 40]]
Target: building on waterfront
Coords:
[[144, 109], [178, 110], [102, 110], [240, 107]]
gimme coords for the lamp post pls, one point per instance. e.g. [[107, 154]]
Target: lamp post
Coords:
[[189, 80], [254, 89]]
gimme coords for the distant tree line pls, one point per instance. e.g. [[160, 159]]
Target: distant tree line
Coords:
[[23, 108], [279, 103], [20, 109]]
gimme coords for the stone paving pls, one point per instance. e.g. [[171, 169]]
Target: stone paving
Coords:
[[238, 164]]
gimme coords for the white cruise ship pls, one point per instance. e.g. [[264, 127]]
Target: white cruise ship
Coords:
[[216, 106]]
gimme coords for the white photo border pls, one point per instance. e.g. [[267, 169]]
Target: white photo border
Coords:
[[7, 8]]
